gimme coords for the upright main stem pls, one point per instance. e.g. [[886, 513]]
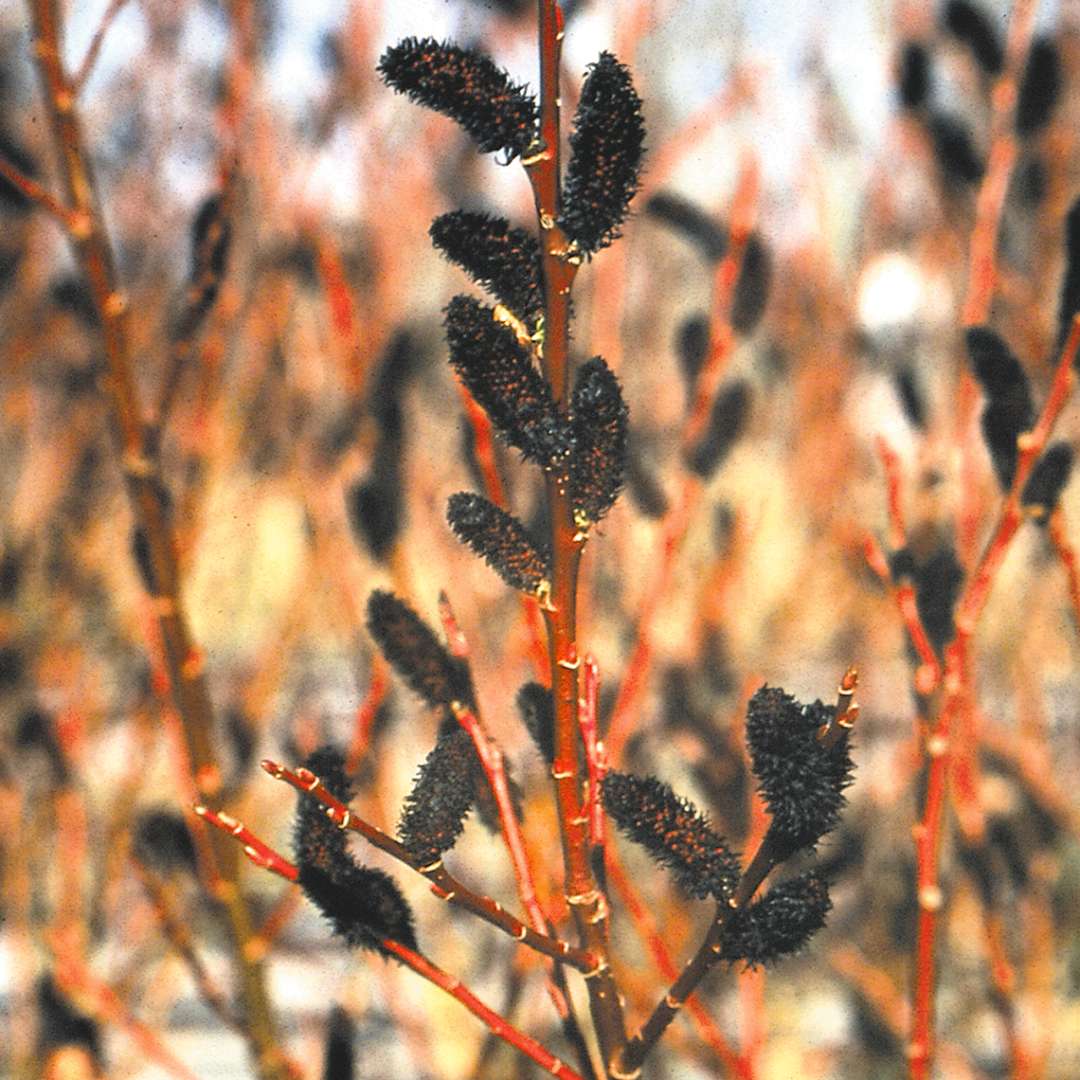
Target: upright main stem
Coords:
[[582, 894], [147, 495]]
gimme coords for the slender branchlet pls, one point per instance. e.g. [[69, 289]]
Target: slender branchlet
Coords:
[[466, 86]]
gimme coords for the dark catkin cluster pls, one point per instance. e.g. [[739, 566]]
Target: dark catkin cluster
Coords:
[[162, 842], [441, 798], [752, 287], [374, 501], [466, 86], [607, 145], [971, 26], [937, 577], [690, 222], [537, 709], [1009, 409], [674, 832], [61, 1023], [958, 158], [1069, 303], [726, 423], [779, 924], [339, 1057], [598, 430], [211, 238], [363, 905], [1040, 88], [500, 539], [801, 782], [1047, 480], [913, 76], [499, 258], [499, 373], [416, 654]]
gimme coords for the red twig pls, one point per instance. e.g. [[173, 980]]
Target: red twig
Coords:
[[958, 692], [498, 1025], [645, 925], [636, 673], [559, 267], [265, 856], [444, 886], [928, 674], [367, 711], [94, 50], [595, 753], [70, 219]]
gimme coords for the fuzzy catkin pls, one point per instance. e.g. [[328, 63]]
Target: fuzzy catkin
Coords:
[[801, 782], [440, 799], [466, 86], [416, 654], [499, 373], [674, 832], [606, 149], [498, 538]]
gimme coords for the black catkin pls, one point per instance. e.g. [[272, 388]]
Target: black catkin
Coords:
[[937, 587], [606, 148], [537, 709], [416, 654], [642, 483], [911, 396], [498, 538], [61, 1023], [466, 86], [674, 832], [339, 1058], [914, 76], [780, 923], [599, 424], [752, 287], [499, 258], [499, 373], [1047, 480], [801, 781], [1009, 409], [363, 905], [1040, 88], [691, 222], [375, 509], [971, 26], [726, 424], [692, 348], [960, 163], [1069, 303], [162, 841], [441, 798]]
